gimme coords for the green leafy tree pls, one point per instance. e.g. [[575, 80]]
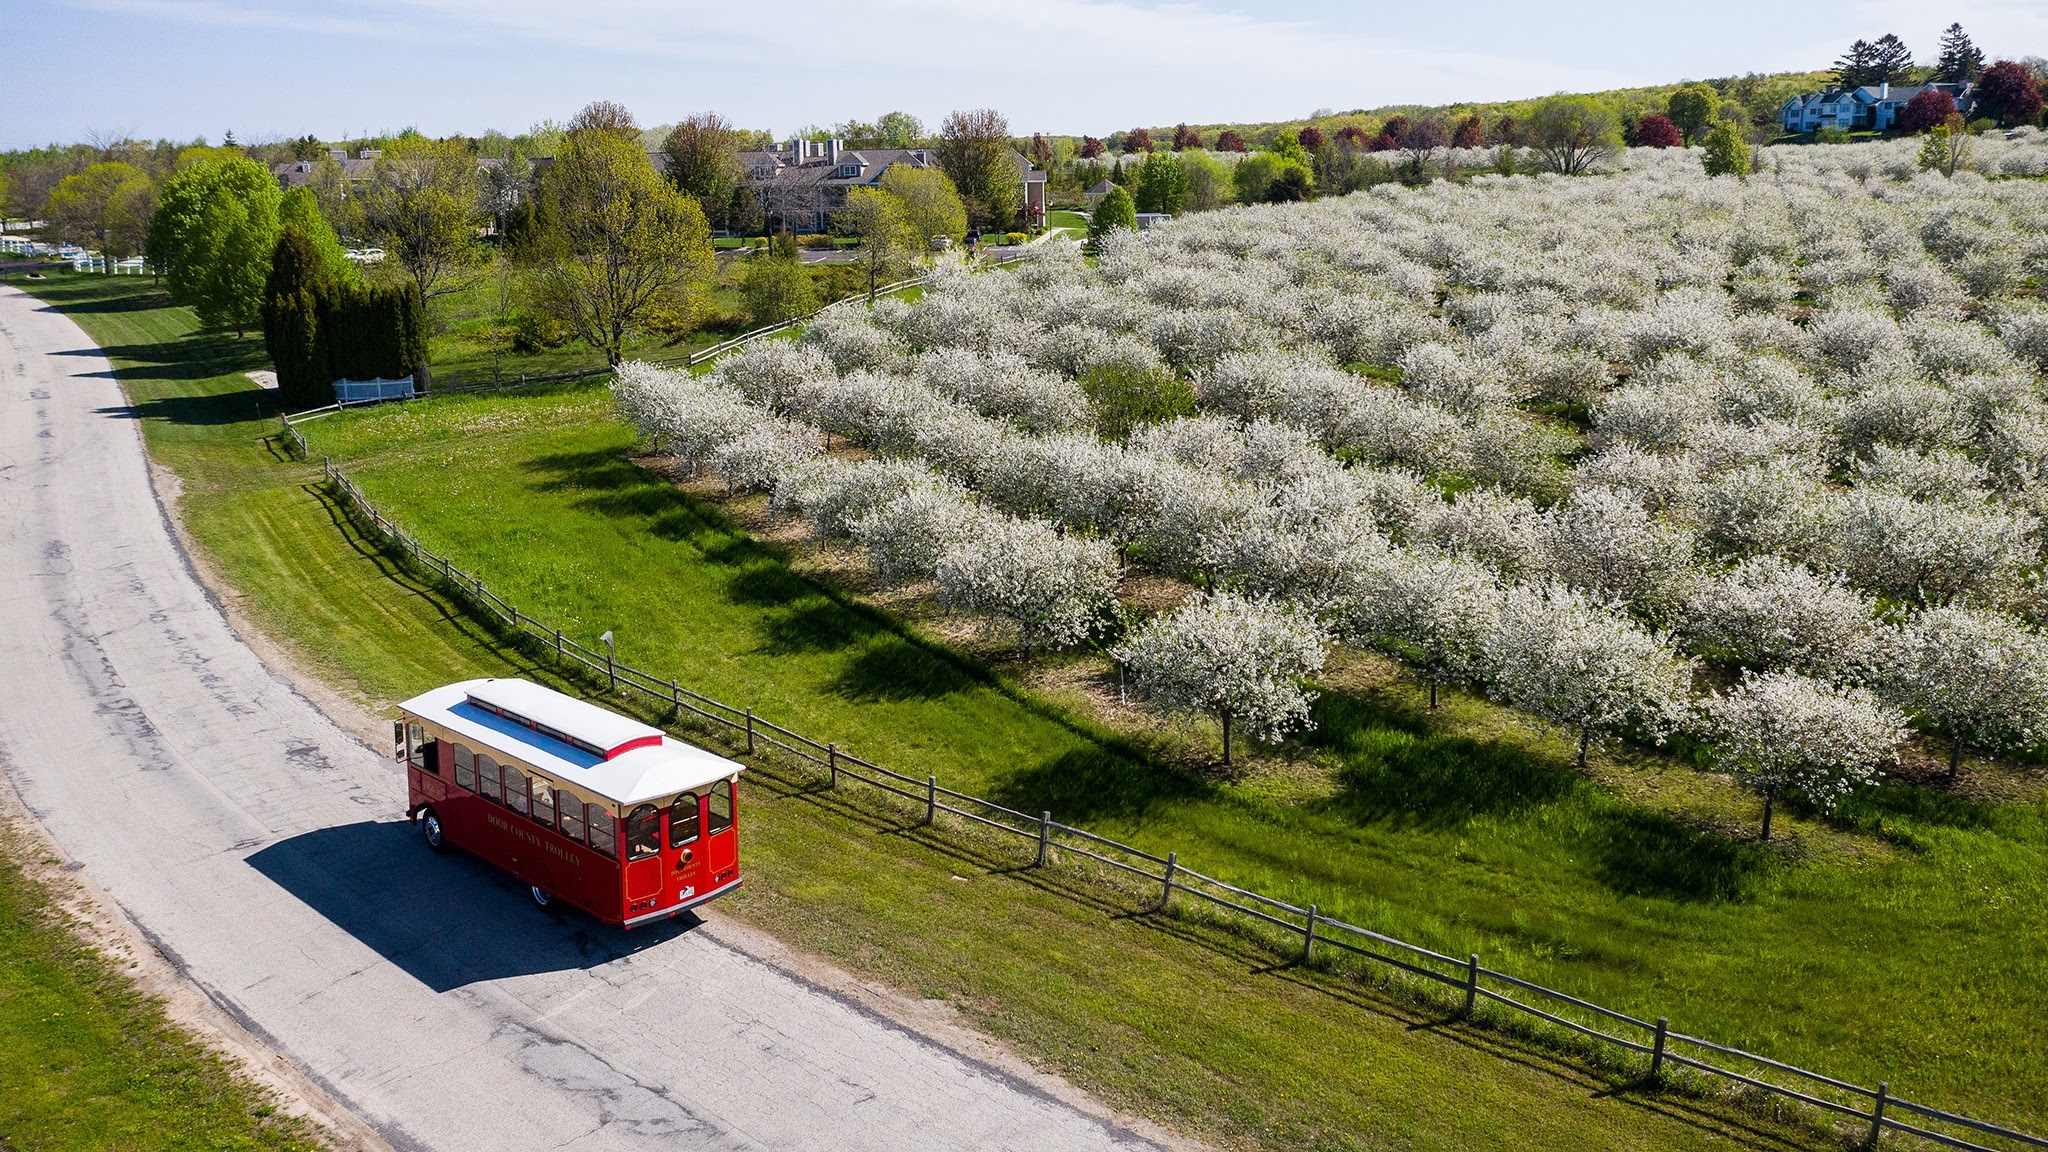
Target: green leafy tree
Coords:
[[700, 156], [1947, 147], [1692, 110], [891, 243], [621, 252], [1208, 181], [929, 200], [1261, 176], [1727, 153], [212, 235], [107, 207], [1571, 134], [898, 130], [424, 204], [300, 209], [1162, 183], [974, 150], [778, 287], [1116, 210]]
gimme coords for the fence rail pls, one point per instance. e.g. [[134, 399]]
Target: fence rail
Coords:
[[1465, 977]]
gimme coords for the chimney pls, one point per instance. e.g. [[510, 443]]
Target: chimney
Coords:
[[832, 151], [337, 153], [1884, 90]]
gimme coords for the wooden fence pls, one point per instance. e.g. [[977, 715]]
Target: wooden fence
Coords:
[[1294, 932]]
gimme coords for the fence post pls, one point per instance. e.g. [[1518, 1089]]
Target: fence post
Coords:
[[1308, 936], [611, 669], [1657, 1050], [1044, 837], [675, 694], [1471, 984], [832, 764], [931, 799], [1884, 1090], [558, 644], [750, 731], [1166, 893]]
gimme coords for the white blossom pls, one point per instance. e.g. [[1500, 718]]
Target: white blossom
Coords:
[[1767, 612], [1782, 731], [1051, 589], [1976, 675], [1240, 660]]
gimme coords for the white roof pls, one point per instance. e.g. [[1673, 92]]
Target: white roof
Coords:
[[604, 753]]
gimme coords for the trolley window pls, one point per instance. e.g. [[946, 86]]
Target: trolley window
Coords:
[[682, 820], [602, 829], [465, 766], [543, 802], [718, 805], [572, 816], [487, 775], [643, 832], [420, 750], [515, 790]]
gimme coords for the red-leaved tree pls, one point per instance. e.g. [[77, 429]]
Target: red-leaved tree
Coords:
[[1471, 133], [1138, 140], [1927, 108], [1394, 126], [1228, 141], [1312, 138], [1185, 138], [1353, 136], [1384, 142], [1091, 148], [2007, 91], [1654, 131]]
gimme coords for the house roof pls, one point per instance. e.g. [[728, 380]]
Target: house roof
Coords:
[[576, 742], [1101, 189]]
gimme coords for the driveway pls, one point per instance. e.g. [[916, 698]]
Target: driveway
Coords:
[[266, 852]]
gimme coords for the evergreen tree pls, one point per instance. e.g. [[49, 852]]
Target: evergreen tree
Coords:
[[1857, 66], [1960, 59], [1894, 61]]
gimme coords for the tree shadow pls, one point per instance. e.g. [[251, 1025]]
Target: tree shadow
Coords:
[[211, 410], [1396, 771], [1094, 783], [80, 299], [895, 669], [1647, 854], [605, 482]]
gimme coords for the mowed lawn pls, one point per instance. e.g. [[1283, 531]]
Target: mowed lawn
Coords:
[[1916, 958], [89, 1062]]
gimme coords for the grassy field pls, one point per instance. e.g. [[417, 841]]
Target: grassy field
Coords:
[[1073, 223], [1872, 952], [88, 1062]]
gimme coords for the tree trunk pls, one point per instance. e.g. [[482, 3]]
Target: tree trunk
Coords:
[[1432, 693], [1226, 739], [1955, 758], [1585, 738], [1770, 799]]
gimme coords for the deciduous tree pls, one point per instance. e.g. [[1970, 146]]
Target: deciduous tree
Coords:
[[1162, 184], [929, 199], [891, 243], [1137, 140], [107, 208], [1116, 210], [212, 234], [1726, 153], [1654, 131], [1228, 141], [700, 156], [1692, 109], [974, 150], [1573, 133], [1240, 660], [1780, 731], [623, 251], [424, 204], [1185, 138], [1928, 107], [1974, 674], [2008, 91]]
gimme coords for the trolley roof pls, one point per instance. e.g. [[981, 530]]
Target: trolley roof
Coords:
[[584, 745]]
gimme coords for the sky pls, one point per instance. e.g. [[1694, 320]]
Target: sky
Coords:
[[269, 69]]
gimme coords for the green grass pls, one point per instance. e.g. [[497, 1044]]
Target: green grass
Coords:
[[1914, 955], [1073, 223], [88, 1062]]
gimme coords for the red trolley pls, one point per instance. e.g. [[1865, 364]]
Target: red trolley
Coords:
[[587, 806]]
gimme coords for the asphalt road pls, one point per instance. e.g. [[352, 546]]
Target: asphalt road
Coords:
[[265, 851]]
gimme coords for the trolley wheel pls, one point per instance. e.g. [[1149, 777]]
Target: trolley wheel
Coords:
[[541, 896], [431, 831]]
